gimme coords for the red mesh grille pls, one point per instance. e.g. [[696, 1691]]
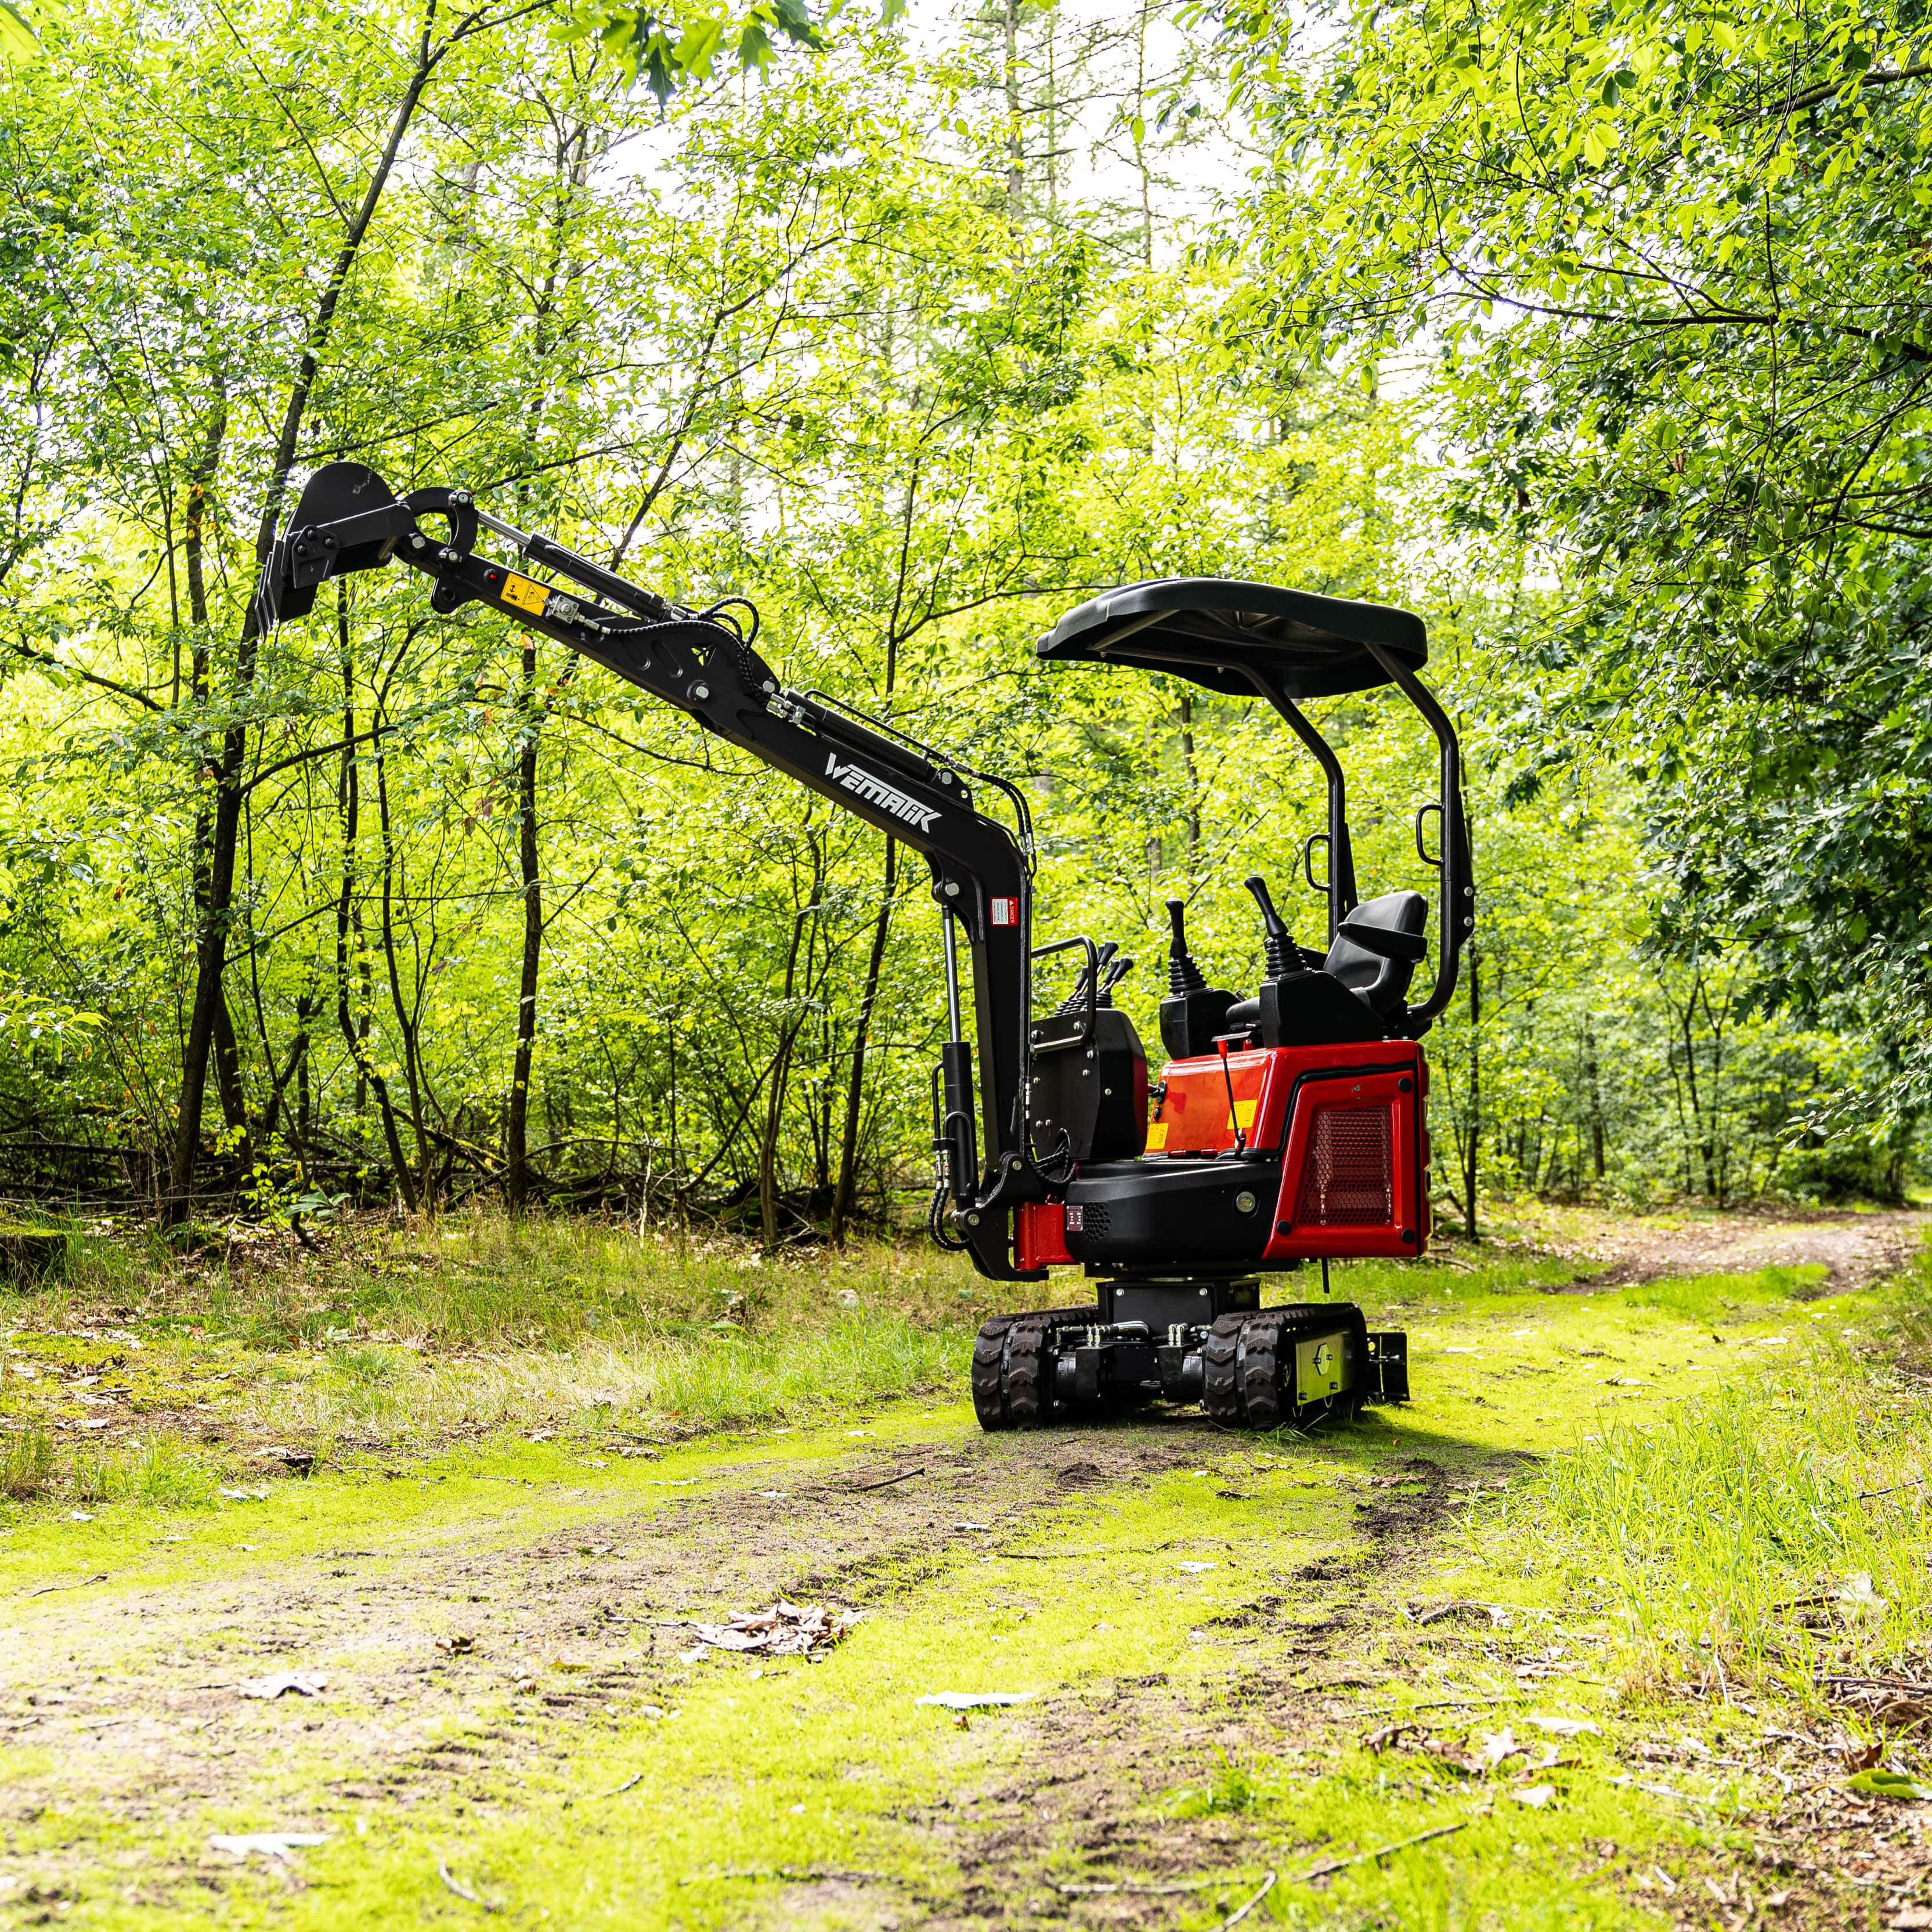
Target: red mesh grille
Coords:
[[1350, 1179]]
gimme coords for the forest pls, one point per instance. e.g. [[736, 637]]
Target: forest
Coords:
[[1601, 339]]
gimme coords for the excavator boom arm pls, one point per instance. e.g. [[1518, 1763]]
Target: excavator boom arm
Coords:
[[348, 519]]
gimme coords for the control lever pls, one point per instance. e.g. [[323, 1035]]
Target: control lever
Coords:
[[1193, 1012], [1075, 1002], [1183, 975], [1282, 955]]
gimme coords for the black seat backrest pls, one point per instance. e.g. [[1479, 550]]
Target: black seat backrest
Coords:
[[1383, 983]]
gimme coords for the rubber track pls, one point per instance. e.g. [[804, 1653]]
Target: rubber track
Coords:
[[1258, 1374], [1244, 1380], [1220, 1388], [1010, 1390], [989, 1355]]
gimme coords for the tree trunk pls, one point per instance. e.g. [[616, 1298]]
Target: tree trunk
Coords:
[[355, 1027], [1471, 1155], [405, 1023], [226, 1049], [517, 1177], [1015, 129], [1596, 1101], [768, 1146], [855, 1085]]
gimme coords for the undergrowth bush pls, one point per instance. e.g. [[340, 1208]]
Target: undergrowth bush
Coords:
[[162, 1474], [26, 1462]]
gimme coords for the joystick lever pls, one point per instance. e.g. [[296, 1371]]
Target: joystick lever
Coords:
[[1183, 975], [1282, 957], [1193, 1011]]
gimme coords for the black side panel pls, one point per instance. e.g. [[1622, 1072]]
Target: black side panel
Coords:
[[1177, 1212], [1095, 1095], [1315, 1009], [1161, 1304], [1188, 1021]]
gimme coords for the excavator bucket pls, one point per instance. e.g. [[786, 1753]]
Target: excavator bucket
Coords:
[[338, 494]]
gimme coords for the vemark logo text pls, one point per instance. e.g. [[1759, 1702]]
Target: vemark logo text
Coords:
[[862, 784]]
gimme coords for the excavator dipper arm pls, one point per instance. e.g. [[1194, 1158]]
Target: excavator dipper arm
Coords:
[[348, 520]]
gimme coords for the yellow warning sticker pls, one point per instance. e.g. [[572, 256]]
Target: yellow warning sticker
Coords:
[[525, 595], [1243, 1117], [1156, 1137]]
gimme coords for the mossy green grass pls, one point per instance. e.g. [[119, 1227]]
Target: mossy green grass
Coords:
[[718, 1812]]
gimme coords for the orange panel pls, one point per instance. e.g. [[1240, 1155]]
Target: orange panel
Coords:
[[1194, 1117]]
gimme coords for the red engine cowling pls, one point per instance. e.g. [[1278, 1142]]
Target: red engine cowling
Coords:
[[1271, 1157]]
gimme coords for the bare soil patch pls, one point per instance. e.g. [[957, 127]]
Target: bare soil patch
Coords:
[[135, 1692], [1856, 1248]]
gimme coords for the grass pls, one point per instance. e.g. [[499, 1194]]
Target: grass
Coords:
[[1701, 1529], [1711, 1448], [1719, 1298], [397, 1341], [27, 1463]]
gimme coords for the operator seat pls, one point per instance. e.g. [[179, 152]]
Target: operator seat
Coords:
[[1380, 979], [1359, 990]]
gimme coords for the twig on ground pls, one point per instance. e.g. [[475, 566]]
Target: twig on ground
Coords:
[[886, 1482], [47, 1589], [1074, 1556], [1799, 1738], [1328, 1865], [1240, 1911], [1438, 1704], [791, 1874], [1916, 1482], [1127, 1885], [618, 1791], [462, 1891]]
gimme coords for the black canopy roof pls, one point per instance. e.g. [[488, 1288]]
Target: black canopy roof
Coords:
[[1213, 629]]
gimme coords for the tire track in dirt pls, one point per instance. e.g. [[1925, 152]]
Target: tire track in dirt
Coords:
[[570, 1629], [1098, 1765]]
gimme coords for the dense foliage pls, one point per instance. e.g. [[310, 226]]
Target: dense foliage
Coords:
[[385, 904], [1673, 260]]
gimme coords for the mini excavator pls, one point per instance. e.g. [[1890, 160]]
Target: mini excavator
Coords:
[[1287, 1127]]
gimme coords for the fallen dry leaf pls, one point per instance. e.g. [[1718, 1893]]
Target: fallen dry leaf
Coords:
[[785, 1630]]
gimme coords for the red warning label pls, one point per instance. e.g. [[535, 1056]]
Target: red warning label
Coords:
[[1006, 912]]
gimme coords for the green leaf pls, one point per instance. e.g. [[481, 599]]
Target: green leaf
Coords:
[[18, 41], [1890, 1784]]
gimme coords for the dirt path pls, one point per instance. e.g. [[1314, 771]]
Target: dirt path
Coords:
[[1206, 1630], [573, 1608], [1855, 1247]]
